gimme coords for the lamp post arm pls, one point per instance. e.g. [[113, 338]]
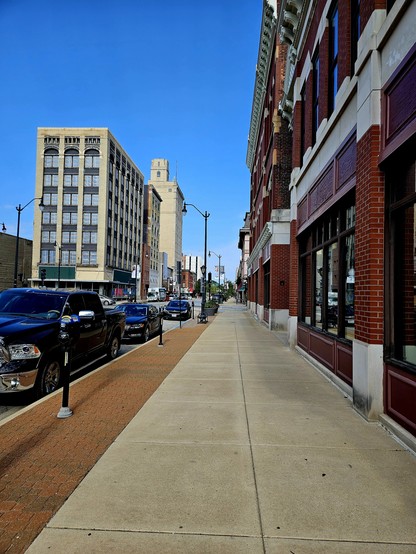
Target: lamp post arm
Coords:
[[205, 215], [20, 209]]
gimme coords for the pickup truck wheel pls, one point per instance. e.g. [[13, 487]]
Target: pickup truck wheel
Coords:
[[49, 379], [146, 334], [113, 347]]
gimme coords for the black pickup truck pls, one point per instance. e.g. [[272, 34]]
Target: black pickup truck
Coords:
[[31, 355]]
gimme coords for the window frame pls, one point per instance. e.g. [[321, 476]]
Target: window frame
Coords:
[[330, 230], [333, 26], [315, 95]]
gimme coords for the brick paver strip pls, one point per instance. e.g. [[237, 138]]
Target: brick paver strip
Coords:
[[43, 458]]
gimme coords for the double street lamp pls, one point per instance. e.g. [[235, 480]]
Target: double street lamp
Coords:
[[20, 209], [205, 215], [219, 269]]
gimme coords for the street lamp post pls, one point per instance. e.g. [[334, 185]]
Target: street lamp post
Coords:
[[219, 270], [59, 263], [205, 215], [20, 209], [137, 282]]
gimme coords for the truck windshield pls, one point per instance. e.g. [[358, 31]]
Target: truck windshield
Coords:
[[33, 304]]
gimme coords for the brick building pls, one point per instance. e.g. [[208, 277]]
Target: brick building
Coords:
[[348, 97], [268, 159], [8, 257]]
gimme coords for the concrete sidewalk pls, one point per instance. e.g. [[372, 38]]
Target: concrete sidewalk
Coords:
[[243, 448]]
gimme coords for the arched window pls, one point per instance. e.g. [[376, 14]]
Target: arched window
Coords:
[[51, 158], [92, 159], [71, 158]]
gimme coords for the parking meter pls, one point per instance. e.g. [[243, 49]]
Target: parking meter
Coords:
[[67, 336]]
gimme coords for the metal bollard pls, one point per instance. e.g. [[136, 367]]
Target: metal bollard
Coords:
[[161, 329]]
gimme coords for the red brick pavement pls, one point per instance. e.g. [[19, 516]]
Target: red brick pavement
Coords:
[[43, 458]]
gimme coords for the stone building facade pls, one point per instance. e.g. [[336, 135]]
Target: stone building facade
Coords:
[[90, 232]]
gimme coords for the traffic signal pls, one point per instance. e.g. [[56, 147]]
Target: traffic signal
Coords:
[[209, 276]]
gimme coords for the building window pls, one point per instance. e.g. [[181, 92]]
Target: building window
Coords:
[[89, 257], [302, 123], [91, 180], [51, 159], [92, 159], [49, 236], [89, 237], [89, 218], [70, 218], [266, 269], [90, 199], [327, 264], [71, 160], [315, 96], [50, 199], [49, 217], [70, 199], [69, 237], [401, 182], [50, 180], [68, 257], [355, 31], [47, 256], [70, 180], [333, 58]]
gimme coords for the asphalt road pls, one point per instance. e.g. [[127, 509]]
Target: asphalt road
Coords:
[[11, 403]]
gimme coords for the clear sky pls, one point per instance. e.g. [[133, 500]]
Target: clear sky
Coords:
[[171, 79]]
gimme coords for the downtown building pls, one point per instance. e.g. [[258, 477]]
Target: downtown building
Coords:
[[171, 217], [347, 97], [90, 232], [153, 259]]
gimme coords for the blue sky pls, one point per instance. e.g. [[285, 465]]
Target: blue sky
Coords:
[[170, 79]]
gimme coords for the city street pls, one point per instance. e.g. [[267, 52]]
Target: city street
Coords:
[[11, 404]]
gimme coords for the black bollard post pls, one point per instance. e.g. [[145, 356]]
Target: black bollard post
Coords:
[[161, 329]]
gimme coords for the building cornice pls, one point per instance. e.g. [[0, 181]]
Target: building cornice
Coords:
[[264, 238], [267, 34], [293, 22]]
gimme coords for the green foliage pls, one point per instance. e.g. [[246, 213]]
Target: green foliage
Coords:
[[211, 304]]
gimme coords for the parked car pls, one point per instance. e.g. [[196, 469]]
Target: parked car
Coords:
[[142, 321], [31, 355], [152, 297], [106, 301], [177, 309]]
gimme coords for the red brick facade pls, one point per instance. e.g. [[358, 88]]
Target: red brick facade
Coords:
[[279, 270], [294, 270], [369, 269], [333, 167]]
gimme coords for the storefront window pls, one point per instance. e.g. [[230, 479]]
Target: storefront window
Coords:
[[332, 291], [319, 287], [349, 263], [401, 256], [327, 279]]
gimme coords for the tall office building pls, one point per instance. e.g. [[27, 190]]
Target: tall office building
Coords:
[[152, 224], [170, 212], [89, 234]]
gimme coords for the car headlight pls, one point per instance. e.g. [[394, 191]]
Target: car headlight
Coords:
[[21, 352], [136, 326]]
